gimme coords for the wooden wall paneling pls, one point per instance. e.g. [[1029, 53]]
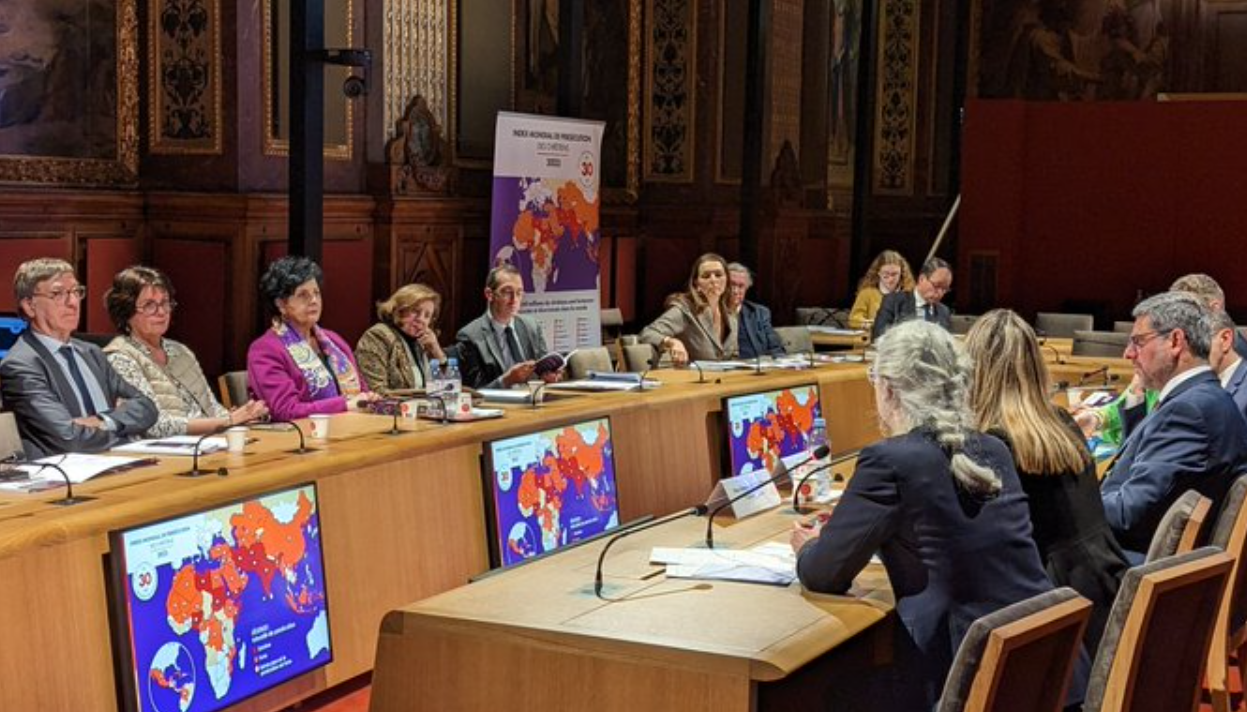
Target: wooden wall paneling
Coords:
[[104, 256], [198, 267], [1225, 45], [18, 246]]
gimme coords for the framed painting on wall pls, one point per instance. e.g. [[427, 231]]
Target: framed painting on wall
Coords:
[[69, 92]]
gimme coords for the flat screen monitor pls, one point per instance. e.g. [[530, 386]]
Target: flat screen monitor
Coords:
[[763, 428], [213, 607], [11, 327], [549, 489]]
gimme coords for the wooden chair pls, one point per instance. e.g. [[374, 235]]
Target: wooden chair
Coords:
[[1123, 327], [1180, 528], [597, 358], [10, 438], [638, 358], [822, 316], [233, 388], [1063, 326], [961, 323], [796, 339], [1111, 344], [1018, 659], [1152, 655], [1229, 638]]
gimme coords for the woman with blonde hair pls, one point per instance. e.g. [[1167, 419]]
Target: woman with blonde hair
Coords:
[[1009, 398], [888, 273], [698, 324], [940, 503], [394, 354]]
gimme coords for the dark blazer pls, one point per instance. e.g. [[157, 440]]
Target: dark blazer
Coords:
[[756, 335], [1075, 543], [950, 558], [900, 306], [35, 388], [1240, 344], [1237, 387], [479, 355], [1194, 439]]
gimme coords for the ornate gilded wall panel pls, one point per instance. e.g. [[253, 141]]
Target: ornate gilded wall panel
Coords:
[[185, 76], [897, 89], [785, 92], [415, 57], [670, 69], [70, 100]]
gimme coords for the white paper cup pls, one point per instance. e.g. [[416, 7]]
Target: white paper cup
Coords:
[[236, 437], [320, 426]]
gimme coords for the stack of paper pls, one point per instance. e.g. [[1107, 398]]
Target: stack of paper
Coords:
[[771, 563], [174, 445]]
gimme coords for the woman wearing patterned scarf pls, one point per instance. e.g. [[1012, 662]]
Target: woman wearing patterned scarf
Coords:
[[296, 366]]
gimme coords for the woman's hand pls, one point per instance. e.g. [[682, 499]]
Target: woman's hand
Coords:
[[674, 347], [428, 341], [803, 533], [360, 401], [247, 412]]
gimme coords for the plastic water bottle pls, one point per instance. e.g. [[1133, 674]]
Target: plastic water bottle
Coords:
[[435, 384], [822, 480], [452, 380]]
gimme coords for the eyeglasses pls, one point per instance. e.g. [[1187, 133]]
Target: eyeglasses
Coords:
[[153, 307], [63, 295], [1138, 341], [508, 293], [306, 296]]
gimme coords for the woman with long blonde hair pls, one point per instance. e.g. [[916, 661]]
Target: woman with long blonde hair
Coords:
[[888, 273], [1010, 399]]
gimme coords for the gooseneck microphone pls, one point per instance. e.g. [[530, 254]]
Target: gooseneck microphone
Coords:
[[697, 511], [701, 375], [1085, 378], [532, 394], [757, 365], [781, 471], [69, 499], [1043, 344], [195, 471], [796, 491], [286, 426]]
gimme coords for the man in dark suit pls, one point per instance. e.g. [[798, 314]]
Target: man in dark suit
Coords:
[[64, 394], [934, 281], [1195, 438], [500, 348], [754, 333], [1207, 289], [1225, 361]]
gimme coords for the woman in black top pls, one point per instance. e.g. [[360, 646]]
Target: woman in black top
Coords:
[[1009, 397]]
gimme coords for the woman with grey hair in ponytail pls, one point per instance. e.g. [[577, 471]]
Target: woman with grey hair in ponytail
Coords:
[[939, 502]]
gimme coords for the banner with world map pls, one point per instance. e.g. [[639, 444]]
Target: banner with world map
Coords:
[[545, 221]]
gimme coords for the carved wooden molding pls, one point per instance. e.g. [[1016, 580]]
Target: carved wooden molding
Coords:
[[897, 88], [670, 90], [419, 155], [184, 76]]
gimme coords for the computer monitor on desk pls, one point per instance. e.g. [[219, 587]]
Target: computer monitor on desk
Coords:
[[11, 327], [549, 489], [763, 428], [216, 606]]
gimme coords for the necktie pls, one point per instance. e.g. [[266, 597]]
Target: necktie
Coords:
[[67, 352], [513, 347], [928, 312]]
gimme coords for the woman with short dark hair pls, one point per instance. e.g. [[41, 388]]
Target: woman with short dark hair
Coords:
[[141, 306], [297, 366]]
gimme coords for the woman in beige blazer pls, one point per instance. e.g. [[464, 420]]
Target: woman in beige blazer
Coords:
[[394, 354], [698, 325]]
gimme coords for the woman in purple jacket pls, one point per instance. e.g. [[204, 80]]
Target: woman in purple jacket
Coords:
[[295, 366]]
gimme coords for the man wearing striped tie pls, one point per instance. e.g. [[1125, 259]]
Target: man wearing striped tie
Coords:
[[62, 391], [500, 348]]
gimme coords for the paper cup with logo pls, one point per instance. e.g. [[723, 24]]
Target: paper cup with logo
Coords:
[[320, 425]]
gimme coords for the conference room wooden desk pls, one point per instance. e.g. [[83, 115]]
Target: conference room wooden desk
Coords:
[[839, 341], [402, 519]]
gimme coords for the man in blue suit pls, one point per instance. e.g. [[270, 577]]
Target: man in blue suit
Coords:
[[1207, 289], [924, 302], [1194, 439], [1225, 360], [755, 335]]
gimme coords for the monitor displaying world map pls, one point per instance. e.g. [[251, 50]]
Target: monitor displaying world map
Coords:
[[550, 488], [219, 605], [764, 428]]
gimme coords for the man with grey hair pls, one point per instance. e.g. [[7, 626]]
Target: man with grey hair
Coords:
[[1207, 289], [754, 333], [1194, 439], [934, 281], [62, 391]]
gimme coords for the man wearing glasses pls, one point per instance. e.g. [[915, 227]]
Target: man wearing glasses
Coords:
[[934, 281], [62, 391], [500, 348], [1194, 439]]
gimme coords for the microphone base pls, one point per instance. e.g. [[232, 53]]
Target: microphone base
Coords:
[[196, 473], [300, 451], [397, 431], [71, 501]]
